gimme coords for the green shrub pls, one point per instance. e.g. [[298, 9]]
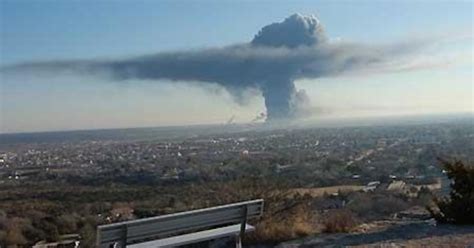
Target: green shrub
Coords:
[[458, 208]]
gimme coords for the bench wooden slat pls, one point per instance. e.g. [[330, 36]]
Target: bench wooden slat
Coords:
[[193, 222], [193, 237]]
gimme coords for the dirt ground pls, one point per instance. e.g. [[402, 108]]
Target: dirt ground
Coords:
[[393, 233]]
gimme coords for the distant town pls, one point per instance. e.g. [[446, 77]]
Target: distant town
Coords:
[[334, 154]]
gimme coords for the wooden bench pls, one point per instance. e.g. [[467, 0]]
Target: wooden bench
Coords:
[[182, 228]]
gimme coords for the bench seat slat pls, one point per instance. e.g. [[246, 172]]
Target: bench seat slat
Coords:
[[193, 237]]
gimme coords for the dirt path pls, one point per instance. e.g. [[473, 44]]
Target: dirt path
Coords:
[[394, 234], [317, 192]]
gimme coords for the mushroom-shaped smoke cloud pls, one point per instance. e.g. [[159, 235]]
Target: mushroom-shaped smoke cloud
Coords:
[[279, 54], [281, 98], [294, 31]]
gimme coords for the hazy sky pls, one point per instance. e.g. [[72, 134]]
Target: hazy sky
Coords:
[[51, 30]]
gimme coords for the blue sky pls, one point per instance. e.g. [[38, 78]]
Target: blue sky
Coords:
[[49, 30], [38, 30]]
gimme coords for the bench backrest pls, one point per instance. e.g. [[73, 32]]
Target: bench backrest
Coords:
[[140, 230]]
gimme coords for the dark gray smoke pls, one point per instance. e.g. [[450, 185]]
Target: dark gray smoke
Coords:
[[277, 56]]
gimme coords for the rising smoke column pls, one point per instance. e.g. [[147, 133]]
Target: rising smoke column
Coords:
[[280, 93], [277, 56]]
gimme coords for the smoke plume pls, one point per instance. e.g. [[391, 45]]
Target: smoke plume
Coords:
[[277, 56]]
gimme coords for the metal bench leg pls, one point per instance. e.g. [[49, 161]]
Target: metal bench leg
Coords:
[[238, 241], [243, 225]]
